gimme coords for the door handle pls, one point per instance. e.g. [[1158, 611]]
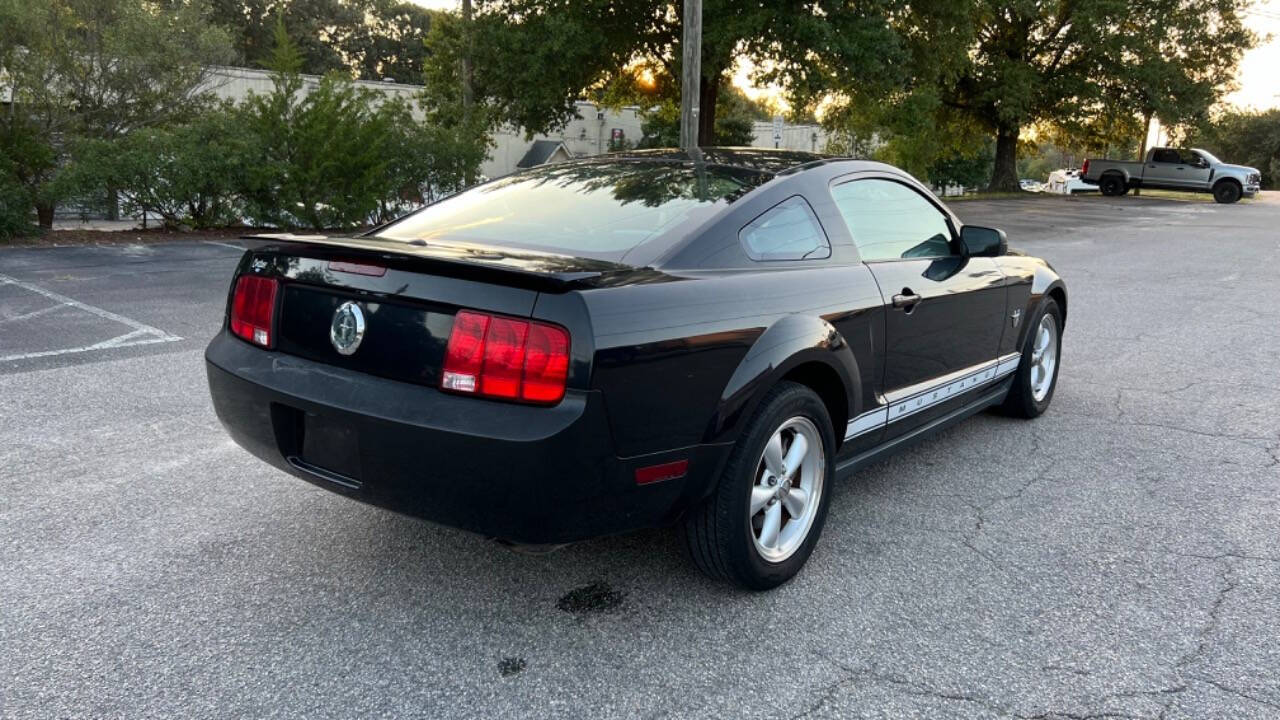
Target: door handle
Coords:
[[905, 299]]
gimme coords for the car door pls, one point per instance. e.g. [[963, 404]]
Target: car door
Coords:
[[944, 312], [1197, 171], [1165, 169]]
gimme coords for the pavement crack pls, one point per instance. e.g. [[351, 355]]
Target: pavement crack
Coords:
[[1240, 693], [1211, 624]]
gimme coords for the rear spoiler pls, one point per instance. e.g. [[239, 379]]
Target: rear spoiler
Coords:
[[527, 268]]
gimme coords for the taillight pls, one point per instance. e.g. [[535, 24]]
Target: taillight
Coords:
[[1084, 169], [506, 358], [252, 308]]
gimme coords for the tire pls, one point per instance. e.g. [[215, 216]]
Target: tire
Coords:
[[725, 539], [1226, 192], [1029, 397], [1112, 186]]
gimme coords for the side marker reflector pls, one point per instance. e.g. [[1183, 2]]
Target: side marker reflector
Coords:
[[665, 471]]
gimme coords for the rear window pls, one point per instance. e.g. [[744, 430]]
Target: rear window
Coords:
[[598, 210]]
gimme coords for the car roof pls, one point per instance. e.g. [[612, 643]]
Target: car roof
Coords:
[[766, 160]]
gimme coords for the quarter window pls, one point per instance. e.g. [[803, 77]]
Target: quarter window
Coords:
[[890, 221], [787, 231]]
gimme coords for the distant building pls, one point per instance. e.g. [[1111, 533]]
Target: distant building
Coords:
[[597, 130], [237, 83], [543, 152]]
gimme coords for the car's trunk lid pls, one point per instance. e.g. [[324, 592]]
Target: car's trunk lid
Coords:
[[407, 296]]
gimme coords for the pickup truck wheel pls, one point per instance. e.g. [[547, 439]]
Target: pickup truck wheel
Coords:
[[1226, 192], [1112, 186], [1037, 374], [760, 524]]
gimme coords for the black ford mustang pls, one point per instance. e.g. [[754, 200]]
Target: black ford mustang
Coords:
[[709, 339]]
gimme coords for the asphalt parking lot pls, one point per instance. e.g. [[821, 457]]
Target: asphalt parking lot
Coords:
[[1118, 557]]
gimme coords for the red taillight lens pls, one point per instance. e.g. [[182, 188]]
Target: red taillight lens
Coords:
[[507, 358], [1084, 169], [546, 363], [252, 308], [464, 358], [503, 358]]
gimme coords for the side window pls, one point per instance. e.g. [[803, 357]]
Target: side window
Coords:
[[890, 221], [1166, 155], [786, 231]]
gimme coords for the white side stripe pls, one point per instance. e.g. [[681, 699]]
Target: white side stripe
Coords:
[[931, 395]]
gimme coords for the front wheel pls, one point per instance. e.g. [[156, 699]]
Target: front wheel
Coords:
[[1226, 192], [1037, 375], [763, 519]]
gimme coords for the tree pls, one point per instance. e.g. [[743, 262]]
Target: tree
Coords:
[[373, 39], [533, 58], [189, 173], [1036, 61], [97, 69], [340, 156], [735, 123]]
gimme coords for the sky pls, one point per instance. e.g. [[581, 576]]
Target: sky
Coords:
[[1258, 75]]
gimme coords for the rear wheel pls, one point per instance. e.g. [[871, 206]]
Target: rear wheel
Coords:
[[1112, 185], [1226, 192], [760, 524]]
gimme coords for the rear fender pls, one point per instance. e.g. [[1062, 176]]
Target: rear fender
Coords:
[[790, 342]]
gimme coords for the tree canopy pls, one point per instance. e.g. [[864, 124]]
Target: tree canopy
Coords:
[[374, 39], [533, 58]]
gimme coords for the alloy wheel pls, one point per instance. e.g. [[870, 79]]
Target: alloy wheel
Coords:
[[1044, 357], [787, 490]]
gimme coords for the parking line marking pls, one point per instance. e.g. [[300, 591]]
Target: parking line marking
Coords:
[[141, 334], [33, 313], [116, 342]]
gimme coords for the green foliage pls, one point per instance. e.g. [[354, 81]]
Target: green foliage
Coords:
[[93, 69], [734, 122], [343, 156], [533, 58], [1245, 138], [1087, 71], [186, 174], [372, 39], [966, 169]]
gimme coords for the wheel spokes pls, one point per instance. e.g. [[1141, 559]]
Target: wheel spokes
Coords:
[[773, 461], [760, 496], [772, 524], [795, 455]]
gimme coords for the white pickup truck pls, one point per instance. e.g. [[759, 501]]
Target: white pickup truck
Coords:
[[1174, 169]]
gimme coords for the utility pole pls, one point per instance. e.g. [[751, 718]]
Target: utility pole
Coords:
[[691, 74], [466, 56]]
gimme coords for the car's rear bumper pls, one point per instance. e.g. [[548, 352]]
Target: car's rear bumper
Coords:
[[520, 473]]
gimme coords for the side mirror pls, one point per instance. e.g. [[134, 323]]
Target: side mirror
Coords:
[[983, 241]]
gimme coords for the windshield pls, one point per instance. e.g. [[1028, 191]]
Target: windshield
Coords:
[[598, 210]]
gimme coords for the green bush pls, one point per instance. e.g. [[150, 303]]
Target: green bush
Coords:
[[15, 209], [188, 174], [324, 159]]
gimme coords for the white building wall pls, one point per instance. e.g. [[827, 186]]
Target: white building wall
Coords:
[[810, 138], [236, 84], [586, 135]]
